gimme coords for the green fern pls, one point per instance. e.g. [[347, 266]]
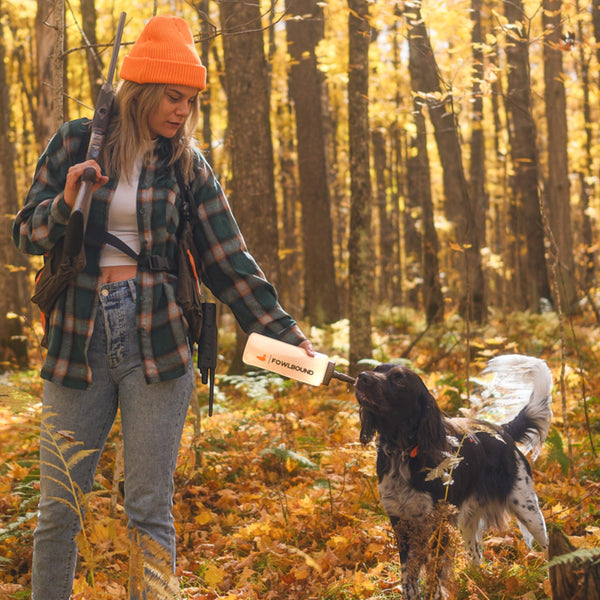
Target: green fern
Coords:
[[68, 451], [284, 454], [581, 555], [556, 450]]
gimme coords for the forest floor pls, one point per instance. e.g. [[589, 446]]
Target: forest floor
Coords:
[[277, 499]]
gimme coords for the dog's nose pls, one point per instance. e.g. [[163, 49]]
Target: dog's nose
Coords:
[[363, 377]]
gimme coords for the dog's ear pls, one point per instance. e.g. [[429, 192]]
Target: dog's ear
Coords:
[[431, 433], [367, 426]]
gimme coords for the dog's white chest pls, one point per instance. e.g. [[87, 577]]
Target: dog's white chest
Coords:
[[398, 497]]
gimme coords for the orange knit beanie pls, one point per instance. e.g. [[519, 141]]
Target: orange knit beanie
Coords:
[[165, 53]]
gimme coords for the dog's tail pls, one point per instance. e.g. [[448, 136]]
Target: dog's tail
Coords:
[[515, 373]]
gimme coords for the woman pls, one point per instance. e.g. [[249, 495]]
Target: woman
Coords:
[[116, 336]]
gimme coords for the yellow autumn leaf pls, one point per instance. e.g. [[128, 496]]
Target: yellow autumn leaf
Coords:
[[302, 572], [203, 517], [362, 582], [307, 505], [214, 575]]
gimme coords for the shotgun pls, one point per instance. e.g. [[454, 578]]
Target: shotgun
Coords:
[[66, 258], [75, 229]]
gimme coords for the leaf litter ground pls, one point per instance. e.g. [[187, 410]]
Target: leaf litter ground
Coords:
[[276, 499]]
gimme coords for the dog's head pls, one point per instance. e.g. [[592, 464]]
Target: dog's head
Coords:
[[395, 403]]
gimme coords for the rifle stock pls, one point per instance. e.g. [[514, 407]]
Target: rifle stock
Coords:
[[75, 230]]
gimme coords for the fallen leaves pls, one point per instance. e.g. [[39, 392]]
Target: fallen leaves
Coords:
[[275, 498]]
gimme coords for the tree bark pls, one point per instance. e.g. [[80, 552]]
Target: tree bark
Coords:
[[558, 192], [384, 217], [477, 192], [361, 255], [252, 191], [46, 46], [587, 260], [576, 579], [398, 167], [525, 160], [306, 84], [207, 32], [13, 341], [420, 186], [59, 67], [94, 62], [291, 288]]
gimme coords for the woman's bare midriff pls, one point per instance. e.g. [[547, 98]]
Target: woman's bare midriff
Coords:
[[118, 273]]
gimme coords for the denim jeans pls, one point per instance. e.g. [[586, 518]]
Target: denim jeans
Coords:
[[152, 419]]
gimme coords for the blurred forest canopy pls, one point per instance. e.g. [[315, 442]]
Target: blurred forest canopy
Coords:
[[470, 185]]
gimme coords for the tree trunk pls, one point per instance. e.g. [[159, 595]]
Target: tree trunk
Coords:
[[420, 182], [477, 193], [418, 192], [398, 176], [596, 23], [361, 256], [306, 83], [13, 341], [46, 46], [94, 62], [59, 67], [207, 31], [386, 233], [557, 193], [524, 159], [252, 191], [424, 75], [398, 168], [576, 579], [587, 272], [291, 288], [500, 206]]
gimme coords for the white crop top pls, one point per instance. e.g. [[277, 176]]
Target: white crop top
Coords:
[[122, 220]]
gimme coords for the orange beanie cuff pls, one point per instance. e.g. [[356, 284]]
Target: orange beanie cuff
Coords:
[[165, 53]]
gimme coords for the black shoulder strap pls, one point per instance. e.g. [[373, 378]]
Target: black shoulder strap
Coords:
[[152, 262], [186, 194]]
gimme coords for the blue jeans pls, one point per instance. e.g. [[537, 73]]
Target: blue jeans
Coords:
[[152, 419]]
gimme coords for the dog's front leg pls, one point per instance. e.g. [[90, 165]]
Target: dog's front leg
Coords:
[[410, 565]]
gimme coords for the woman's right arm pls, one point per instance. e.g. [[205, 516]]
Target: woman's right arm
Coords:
[[42, 220]]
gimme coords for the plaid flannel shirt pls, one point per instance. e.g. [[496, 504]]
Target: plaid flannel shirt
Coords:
[[228, 270]]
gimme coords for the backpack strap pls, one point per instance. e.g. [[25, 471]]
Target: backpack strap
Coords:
[[185, 212], [150, 262]]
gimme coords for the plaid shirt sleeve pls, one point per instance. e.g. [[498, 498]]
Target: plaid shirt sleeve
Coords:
[[42, 221], [229, 270]]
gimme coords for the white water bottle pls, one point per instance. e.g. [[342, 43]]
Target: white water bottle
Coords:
[[290, 361]]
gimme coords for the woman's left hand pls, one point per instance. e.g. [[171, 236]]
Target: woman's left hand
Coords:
[[308, 347]]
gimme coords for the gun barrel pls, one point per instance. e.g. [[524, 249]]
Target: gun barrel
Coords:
[[78, 220], [113, 60]]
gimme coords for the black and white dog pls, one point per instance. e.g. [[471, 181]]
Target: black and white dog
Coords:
[[424, 456]]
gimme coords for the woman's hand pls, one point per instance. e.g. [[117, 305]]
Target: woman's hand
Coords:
[[74, 180], [308, 347]]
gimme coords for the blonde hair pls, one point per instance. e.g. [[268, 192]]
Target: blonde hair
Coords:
[[129, 134]]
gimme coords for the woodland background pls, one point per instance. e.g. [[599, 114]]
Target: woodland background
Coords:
[[420, 182]]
